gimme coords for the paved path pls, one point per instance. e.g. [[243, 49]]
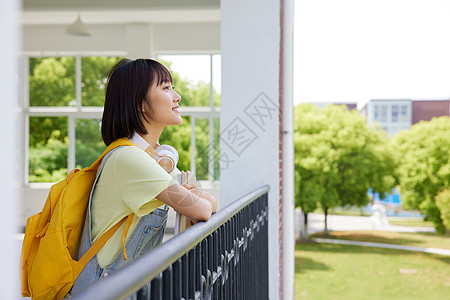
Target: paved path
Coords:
[[344, 223], [383, 245], [349, 223]]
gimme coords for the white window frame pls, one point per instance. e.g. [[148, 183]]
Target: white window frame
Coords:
[[71, 112]]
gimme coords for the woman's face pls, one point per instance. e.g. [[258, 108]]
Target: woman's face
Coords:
[[164, 105]]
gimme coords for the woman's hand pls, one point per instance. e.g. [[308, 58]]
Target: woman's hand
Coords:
[[202, 194], [188, 202]]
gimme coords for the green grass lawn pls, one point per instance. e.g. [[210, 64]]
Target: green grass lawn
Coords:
[[326, 271], [426, 239]]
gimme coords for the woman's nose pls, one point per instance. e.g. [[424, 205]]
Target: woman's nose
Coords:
[[177, 97]]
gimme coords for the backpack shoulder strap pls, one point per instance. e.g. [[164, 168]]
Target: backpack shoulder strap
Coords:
[[101, 241], [113, 145]]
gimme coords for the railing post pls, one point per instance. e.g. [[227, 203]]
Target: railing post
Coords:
[[177, 281], [167, 283], [192, 274], [156, 288]]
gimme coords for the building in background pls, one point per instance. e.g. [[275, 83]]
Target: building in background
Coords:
[[400, 114], [392, 115], [426, 110]]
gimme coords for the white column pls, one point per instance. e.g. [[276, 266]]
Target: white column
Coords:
[[250, 48], [288, 152], [9, 21]]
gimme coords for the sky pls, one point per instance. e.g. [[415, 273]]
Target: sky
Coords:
[[357, 50], [351, 51]]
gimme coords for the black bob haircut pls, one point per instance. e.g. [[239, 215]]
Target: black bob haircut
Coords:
[[126, 89]]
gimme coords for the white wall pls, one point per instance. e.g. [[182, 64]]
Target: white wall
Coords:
[[8, 179], [250, 43], [197, 37], [138, 40], [54, 38]]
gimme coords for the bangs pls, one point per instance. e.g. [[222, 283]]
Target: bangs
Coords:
[[162, 74]]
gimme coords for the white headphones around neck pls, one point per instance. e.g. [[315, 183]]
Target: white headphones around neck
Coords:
[[167, 157]]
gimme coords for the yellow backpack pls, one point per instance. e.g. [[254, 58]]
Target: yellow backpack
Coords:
[[47, 266]]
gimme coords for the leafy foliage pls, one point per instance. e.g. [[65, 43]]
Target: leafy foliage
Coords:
[[88, 143], [48, 162], [52, 81], [94, 71], [338, 158], [443, 203], [425, 166]]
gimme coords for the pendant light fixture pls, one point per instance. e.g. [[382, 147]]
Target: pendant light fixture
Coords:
[[78, 28]]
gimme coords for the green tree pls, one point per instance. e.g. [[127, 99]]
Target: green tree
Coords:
[[425, 166], [51, 83], [48, 163], [338, 158], [443, 203], [88, 142], [94, 72]]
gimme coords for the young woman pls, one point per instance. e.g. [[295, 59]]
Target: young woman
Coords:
[[140, 102]]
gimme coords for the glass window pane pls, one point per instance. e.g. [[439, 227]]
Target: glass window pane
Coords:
[[48, 145], [89, 144], [191, 77], [404, 113], [217, 83], [179, 137], [376, 114], [394, 113], [202, 149], [52, 81], [94, 71]]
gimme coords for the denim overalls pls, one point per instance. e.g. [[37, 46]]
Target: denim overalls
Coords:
[[148, 234]]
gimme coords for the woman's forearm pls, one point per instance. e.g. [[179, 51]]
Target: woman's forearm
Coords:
[[188, 203], [203, 194]]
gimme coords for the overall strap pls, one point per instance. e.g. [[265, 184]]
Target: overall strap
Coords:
[[99, 243]]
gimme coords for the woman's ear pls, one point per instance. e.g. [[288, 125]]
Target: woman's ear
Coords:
[[145, 107], [146, 111]]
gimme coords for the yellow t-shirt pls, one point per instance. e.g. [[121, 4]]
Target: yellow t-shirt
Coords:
[[130, 181]]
